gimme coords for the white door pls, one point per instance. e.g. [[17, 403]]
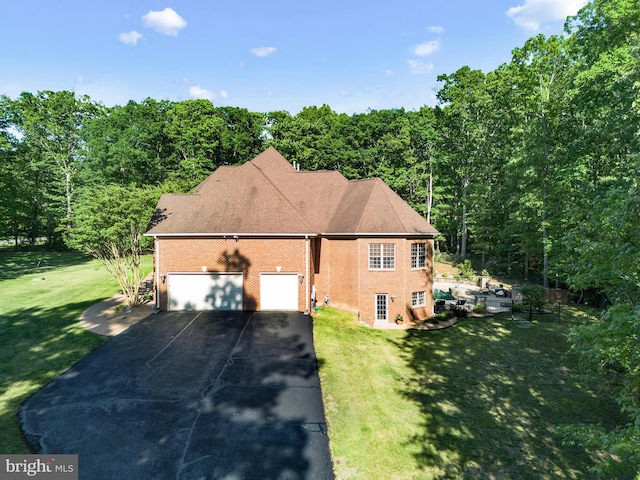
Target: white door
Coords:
[[382, 307], [205, 291], [279, 291]]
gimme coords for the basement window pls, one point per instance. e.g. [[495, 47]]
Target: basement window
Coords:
[[418, 299]]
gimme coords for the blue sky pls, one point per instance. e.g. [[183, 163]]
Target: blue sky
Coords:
[[263, 56]]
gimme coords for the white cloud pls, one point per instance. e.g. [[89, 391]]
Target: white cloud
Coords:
[[534, 13], [419, 67], [388, 73], [263, 51], [426, 48], [201, 93], [436, 29], [224, 94], [130, 38], [166, 21]]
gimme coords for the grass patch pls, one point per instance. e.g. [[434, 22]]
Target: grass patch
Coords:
[[43, 296], [479, 400]]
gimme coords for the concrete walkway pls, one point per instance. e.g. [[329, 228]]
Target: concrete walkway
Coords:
[[104, 318]]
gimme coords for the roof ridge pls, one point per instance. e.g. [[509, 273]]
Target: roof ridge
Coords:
[[391, 204], [366, 205], [282, 195]]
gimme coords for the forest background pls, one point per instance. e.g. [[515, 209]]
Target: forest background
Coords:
[[532, 167]]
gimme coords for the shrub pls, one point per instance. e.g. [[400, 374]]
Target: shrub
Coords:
[[518, 307], [536, 295], [480, 308], [459, 312], [440, 317], [466, 270]]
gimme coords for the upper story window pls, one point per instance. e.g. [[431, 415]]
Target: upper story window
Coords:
[[382, 256], [418, 255]]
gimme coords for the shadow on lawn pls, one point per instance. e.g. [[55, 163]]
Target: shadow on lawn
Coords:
[[491, 393], [36, 345]]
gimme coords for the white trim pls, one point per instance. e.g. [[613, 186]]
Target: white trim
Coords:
[[230, 236], [425, 235]]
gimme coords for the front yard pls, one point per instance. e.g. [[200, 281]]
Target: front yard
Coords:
[[479, 400], [43, 295]]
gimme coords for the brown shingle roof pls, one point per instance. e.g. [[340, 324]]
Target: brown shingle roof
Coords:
[[268, 196]]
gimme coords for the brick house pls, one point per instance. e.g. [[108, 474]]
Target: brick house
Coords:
[[265, 236]]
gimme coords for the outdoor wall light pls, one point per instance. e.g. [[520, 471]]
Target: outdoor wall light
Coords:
[[235, 237], [300, 277], [163, 277], [393, 298]]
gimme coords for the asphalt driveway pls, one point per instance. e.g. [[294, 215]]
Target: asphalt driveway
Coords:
[[221, 395]]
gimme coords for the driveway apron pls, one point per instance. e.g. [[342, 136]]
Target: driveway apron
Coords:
[[191, 395]]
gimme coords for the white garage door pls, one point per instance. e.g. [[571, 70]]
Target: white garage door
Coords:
[[279, 291], [205, 291]]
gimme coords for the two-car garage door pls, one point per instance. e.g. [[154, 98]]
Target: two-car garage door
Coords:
[[205, 291], [224, 291]]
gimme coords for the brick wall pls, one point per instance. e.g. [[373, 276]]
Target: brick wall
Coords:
[[338, 273], [248, 255], [338, 266]]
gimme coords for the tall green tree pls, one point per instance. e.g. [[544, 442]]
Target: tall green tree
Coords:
[[129, 145], [465, 127], [194, 129], [539, 73], [53, 125], [242, 136], [605, 251]]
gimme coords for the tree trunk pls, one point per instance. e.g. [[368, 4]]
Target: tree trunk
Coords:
[[545, 230], [465, 229], [430, 195]]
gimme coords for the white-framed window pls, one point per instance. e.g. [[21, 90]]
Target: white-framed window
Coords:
[[382, 307], [382, 256], [418, 255], [418, 299]]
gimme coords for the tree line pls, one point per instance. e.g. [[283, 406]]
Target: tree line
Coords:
[[533, 166]]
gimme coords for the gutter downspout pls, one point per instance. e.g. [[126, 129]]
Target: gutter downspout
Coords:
[[306, 274], [156, 247]]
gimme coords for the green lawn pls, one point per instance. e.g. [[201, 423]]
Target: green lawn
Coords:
[[479, 400], [41, 298]]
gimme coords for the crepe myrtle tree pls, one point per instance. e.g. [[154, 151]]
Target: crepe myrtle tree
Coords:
[[109, 223]]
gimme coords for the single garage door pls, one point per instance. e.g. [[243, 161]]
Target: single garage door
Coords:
[[205, 291], [279, 291]]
